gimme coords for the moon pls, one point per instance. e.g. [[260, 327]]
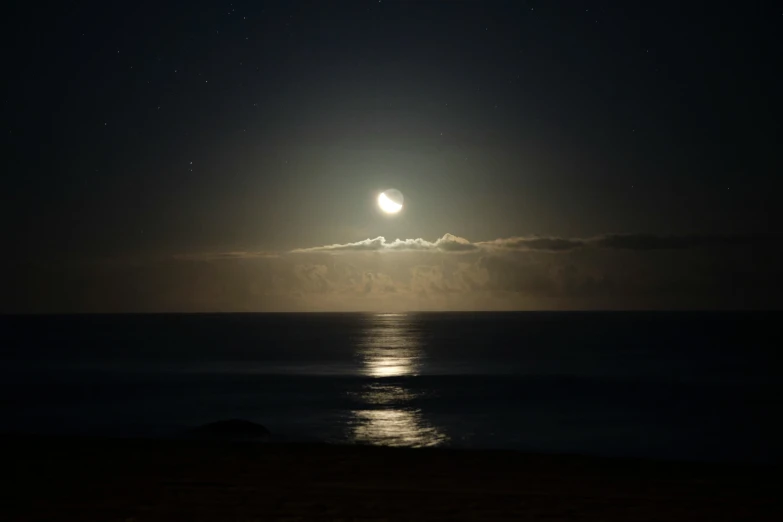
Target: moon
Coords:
[[390, 201]]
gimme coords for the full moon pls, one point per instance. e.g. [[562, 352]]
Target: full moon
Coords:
[[390, 201]]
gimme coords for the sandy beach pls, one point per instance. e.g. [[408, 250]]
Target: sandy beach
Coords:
[[155, 480]]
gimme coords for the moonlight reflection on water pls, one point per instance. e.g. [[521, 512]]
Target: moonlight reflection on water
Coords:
[[396, 427], [391, 347]]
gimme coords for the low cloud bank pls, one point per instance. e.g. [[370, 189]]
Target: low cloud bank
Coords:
[[633, 241], [447, 243], [610, 271]]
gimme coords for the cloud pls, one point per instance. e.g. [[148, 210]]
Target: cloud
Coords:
[[313, 278], [655, 242], [447, 243], [554, 244], [534, 243]]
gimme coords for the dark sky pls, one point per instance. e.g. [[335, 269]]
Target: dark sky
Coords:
[[149, 144]]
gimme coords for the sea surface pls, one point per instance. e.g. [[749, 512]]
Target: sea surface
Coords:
[[682, 385]]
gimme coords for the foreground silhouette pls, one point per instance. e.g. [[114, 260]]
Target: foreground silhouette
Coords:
[[232, 429], [158, 480]]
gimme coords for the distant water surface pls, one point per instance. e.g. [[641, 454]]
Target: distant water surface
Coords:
[[692, 385]]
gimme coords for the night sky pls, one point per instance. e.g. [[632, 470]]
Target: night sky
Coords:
[[218, 156]]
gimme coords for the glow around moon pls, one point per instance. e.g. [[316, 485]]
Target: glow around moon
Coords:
[[390, 201]]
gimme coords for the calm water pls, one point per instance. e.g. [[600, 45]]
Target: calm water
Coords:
[[672, 385]]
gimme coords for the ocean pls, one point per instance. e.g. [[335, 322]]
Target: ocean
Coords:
[[671, 385]]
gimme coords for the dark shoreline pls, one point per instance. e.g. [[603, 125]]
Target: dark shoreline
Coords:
[[86, 478]]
